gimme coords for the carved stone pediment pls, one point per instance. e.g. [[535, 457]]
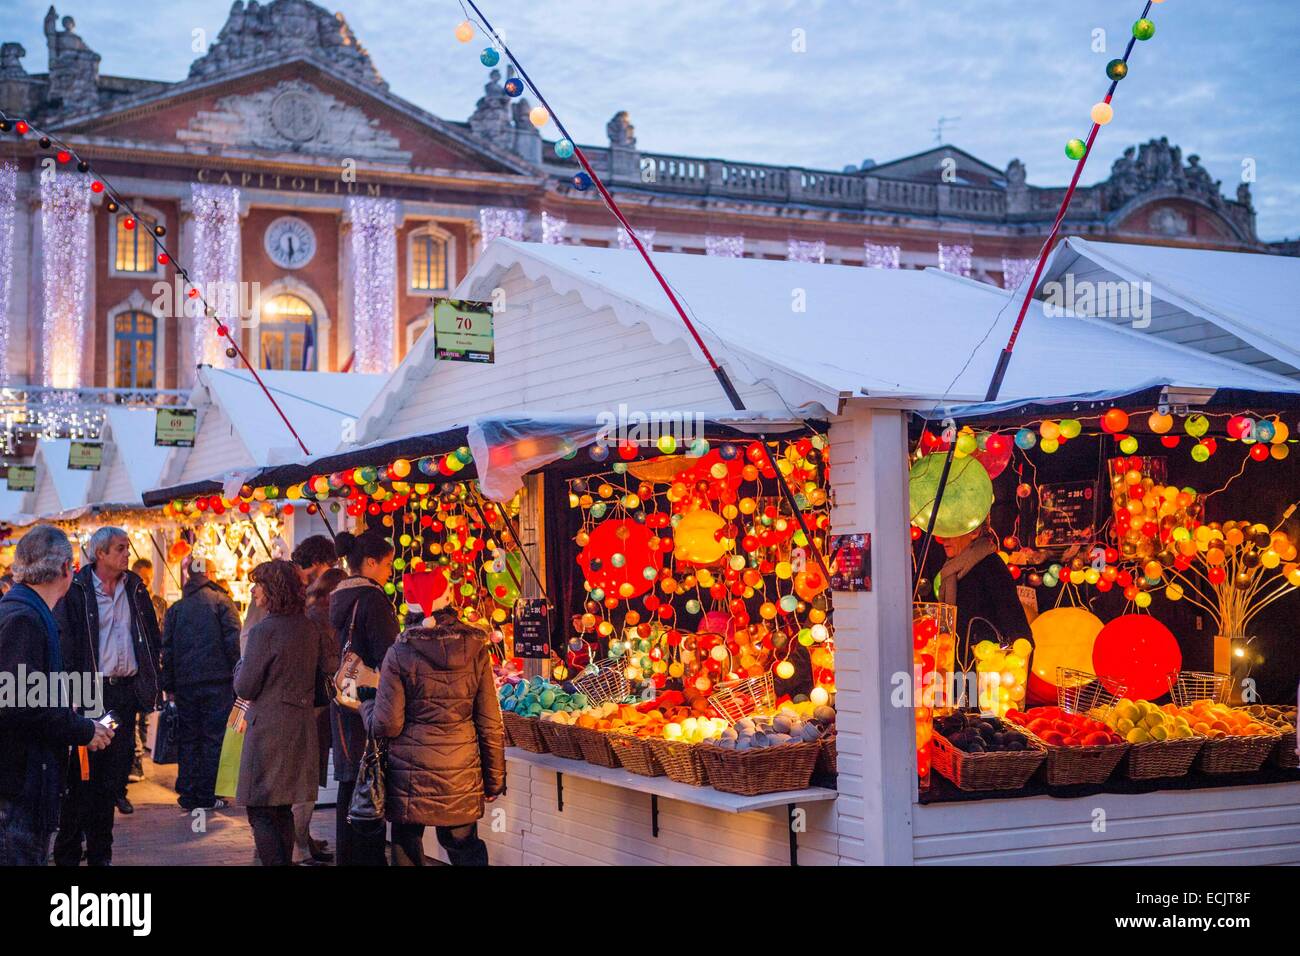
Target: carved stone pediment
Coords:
[[294, 116]]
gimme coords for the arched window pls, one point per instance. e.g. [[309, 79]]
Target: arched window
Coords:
[[288, 333], [429, 260], [135, 339], [133, 249]]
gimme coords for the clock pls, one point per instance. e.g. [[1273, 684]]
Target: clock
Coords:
[[290, 242]]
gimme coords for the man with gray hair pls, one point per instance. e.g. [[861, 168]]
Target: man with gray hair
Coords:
[[108, 626], [35, 734]]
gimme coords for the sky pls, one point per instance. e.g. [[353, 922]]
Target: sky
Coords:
[[820, 83]]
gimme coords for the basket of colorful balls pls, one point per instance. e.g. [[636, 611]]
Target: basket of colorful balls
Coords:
[[523, 702], [1283, 720], [768, 753], [1236, 742], [977, 752], [1080, 749], [1162, 742]]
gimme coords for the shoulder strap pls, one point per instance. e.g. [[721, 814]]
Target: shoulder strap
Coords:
[[352, 625]]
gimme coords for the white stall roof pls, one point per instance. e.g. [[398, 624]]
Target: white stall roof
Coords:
[[238, 428], [820, 333], [134, 463], [60, 490], [1236, 305], [12, 504]]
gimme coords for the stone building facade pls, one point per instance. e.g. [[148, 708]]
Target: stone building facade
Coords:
[[284, 164]]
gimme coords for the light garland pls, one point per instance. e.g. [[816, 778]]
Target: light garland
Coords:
[[374, 282], [553, 228], [647, 237], [725, 247], [8, 208], [65, 234], [1016, 271], [801, 250], [881, 257], [499, 223], [216, 266], [955, 259]]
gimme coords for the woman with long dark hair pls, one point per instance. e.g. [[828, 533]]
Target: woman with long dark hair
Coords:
[[364, 622], [278, 676]]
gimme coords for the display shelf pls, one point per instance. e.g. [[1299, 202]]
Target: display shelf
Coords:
[[663, 787]]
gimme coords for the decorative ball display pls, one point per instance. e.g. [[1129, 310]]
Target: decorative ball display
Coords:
[[639, 548], [1063, 637], [698, 539], [1144, 29], [1076, 148], [1137, 656], [967, 497], [501, 579]]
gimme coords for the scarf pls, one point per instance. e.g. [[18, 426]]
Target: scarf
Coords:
[[25, 595], [956, 568]]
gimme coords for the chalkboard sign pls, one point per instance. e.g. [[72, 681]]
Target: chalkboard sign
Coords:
[[532, 628], [1067, 514]]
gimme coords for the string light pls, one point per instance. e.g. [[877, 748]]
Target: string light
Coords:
[[65, 237], [725, 247], [647, 237], [881, 257], [805, 250], [553, 228], [216, 265], [499, 223], [8, 208], [1016, 271], [956, 258], [374, 281]]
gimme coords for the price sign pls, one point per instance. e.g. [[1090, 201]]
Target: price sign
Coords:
[[1067, 514], [85, 455], [22, 478], [850, 562]]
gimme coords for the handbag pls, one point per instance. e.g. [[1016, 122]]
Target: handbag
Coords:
[[353, 672], [166, 747], [366, 812], [232, 750]]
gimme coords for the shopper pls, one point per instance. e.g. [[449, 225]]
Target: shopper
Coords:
[[108, 626], [362, 615], [305, 846], [437, 704], [200, 648], [278, 676], [314, 556], [34, 740]]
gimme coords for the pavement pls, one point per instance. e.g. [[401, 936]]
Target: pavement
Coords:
[[159, 833]]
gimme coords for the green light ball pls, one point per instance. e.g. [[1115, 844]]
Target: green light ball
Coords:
[[1076, 149], [1116, 70], [1144, 29], [967, 497]]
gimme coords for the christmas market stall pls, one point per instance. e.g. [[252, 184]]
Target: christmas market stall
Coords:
[[584, 343]]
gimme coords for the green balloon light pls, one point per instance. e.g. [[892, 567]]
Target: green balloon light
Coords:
[[1144, 29], [1116, 70], [967, 497], [967, 443], [1197, 426], [1200, 452], [1070, 427], [1076, 148], [502, 584], [1128, 444]]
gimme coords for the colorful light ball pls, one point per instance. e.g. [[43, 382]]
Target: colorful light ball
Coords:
[[1076, 149], [1026, 439], [514, 86], [1136, 656], [1264, 431], [1116, 70], [784, 670], [581, 181], [564, 148], [1160, 424], [1196, 425], [698, 539], [489, 57], [539, 116], [1102, 113], [1144, 29], [1128, 444], [967, 497], [1115, 420], [464, 31]]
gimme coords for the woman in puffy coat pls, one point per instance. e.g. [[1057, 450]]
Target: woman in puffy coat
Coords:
[[437, 704]]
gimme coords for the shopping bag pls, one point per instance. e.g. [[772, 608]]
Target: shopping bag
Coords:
[[165, 745], [232, 749], [366, 812]]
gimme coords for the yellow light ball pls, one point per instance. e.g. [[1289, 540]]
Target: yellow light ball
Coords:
[[464, 31], [1102, 113], [819, 696], [784, 670], [539, 116]]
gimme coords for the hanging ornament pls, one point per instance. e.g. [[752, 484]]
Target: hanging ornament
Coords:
[[1076, 149], [564, 148], [464, 31], [1116, 70], [489, 57]]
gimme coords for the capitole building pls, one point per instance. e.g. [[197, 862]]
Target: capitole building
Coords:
[[285, 168]]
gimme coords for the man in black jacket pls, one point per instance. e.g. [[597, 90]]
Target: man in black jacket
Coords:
[[108, 625], [200, 648], [35, 733]]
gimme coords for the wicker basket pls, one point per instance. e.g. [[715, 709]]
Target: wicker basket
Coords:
[[741, 698], [607, 682], [524, 732], [1161, 758], [560, 739], [1284, 753], [827, 760], [1072, 766], [1235, 754], [635, 754], [595, 747], [1003, 770], [681, 762], [1188, 686], [505, 724], [761, 770]]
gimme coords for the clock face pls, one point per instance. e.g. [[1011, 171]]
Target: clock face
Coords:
[[290, 242]]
